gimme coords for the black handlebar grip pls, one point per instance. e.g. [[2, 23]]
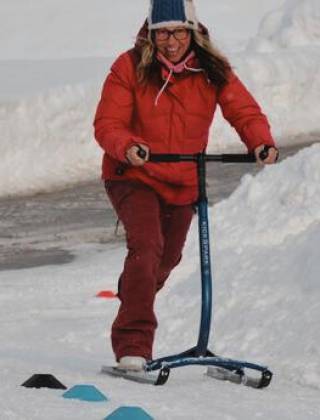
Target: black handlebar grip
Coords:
[[265, 152], [141, 153]]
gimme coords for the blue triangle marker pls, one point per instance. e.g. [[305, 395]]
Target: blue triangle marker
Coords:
[[85, 393], [132, 413]]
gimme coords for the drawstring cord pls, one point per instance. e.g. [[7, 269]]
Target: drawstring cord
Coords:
[[172, 70], [192, 69], [163, 87]]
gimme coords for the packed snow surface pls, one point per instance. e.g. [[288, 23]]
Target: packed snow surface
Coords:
[[50, 80], [265, 241]]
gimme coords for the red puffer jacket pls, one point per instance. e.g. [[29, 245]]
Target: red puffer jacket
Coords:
[[179, 123]]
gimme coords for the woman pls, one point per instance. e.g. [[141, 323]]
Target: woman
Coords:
[[161, 97]]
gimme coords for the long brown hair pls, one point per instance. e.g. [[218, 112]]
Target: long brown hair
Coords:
[[215, 64]]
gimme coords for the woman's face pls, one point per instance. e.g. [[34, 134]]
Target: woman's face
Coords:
[[173, 42]]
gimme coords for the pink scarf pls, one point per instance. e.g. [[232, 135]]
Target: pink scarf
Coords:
[[175, 68]]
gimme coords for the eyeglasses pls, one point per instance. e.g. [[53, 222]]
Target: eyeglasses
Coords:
[[180, 34]]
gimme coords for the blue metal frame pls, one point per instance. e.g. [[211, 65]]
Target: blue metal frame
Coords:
[[206, 279], [200, 355]]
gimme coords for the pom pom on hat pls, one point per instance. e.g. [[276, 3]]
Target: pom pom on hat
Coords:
[[171, 13]]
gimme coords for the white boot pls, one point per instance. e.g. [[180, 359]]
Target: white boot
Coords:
[[135, 363]]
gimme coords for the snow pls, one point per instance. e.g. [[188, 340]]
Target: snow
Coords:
[[266, 310], [296, 24], [296, 205], [50, 84]]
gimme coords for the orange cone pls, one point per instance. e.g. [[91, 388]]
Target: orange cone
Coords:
[[107, 294]]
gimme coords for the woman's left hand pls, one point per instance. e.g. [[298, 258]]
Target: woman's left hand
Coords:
[[272, 154]]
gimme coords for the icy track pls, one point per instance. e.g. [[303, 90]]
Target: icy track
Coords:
[[265, 241]]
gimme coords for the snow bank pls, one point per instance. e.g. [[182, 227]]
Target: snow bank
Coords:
[[286, 86], [46, 141], [294, 25], [293, 185], [281, 68]]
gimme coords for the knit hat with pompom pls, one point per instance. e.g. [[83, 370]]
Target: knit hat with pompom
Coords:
[[164, 13]]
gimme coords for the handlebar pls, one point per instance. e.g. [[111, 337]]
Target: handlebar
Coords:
[[224, 158]]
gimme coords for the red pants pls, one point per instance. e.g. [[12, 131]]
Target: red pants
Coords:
[[156, 234]]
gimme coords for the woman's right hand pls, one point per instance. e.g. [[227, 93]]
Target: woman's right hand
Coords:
[[133, 156]]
